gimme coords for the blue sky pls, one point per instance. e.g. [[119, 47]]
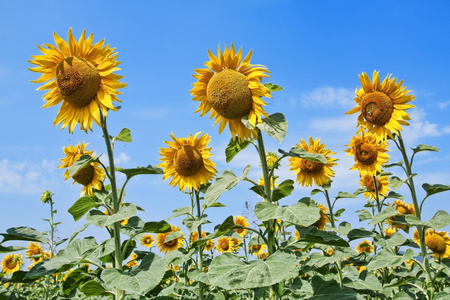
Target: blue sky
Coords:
[[314, 49]]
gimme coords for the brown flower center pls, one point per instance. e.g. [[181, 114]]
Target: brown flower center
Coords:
[[371, 186], [224, 245], [366, 154], [148, 240], [228, 93], [12, 263], [171, 243], [84, 175], [436, 243], [310, 167], [188, 161], [377, 108], [78, 81]]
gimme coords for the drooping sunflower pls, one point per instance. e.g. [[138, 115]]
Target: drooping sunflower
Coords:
[[225, 244], [382, 106], [171, 245], [147, 240], [187, 161], [403, 209], [241, 221], [231, 89], [81, 77], [308, 171], [364, 246], [438, 242], [11, 263], [382, 185], [320, 224], [369, 154], [90, 176], [35, 252]]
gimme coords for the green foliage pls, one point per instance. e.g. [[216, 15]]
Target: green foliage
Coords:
[[273, 87], [274, 126], [302, 213], [302, 153], [234, 147], [123, 136], [81, 207]]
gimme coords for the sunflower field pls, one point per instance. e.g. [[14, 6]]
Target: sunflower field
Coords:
[[301, 251]]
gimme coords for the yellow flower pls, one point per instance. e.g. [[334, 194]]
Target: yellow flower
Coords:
[[231, 89], [90, 176], [404, 209], [308, 171], [170, 245], [382, 106], [34, 249], [208, 246], [147, 240], [11, 263], [382, 185], [257, 250], [438, 242], [241, 221], [131, 263], [297, 234], [416, 237], [81, 77], [237, 243], [225, 244], [46, 197], [187, 161], [271, 159], [320, 224], [390, 231], [369, 154], [360, 268], [365, 246]]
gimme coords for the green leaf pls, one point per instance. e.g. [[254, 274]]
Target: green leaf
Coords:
[[10, 249], [401, 296], [193, 223], [185, 210], [273, 87], [226, 181], [138, 281], [177, 257], [432, 189], [344, 228], [274, 126], [19, 276], [366, 281], [99, 219], [23, 233], [81, 207], [302, 213], [326, 290], [364, 214], [388, 242], [314, 235], [156, 227], [395, 182], [234, 147], [422, 147], [388, 212], [227, 225], [398, 164], [440, 220], [394, 195], [385, 258], [302, 153], [345, 195], [81, 162], [149, 170], [359, 234], [229, 272], [283, 190], [123, 136], [93, 288]]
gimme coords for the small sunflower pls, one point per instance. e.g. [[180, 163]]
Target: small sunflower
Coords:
[[90, 176], [225, 244], [187, 161], [369, 154], [170, 245], [320, 224], [365, 246], [272, 160], [382, 185], [403, 209], [231, 89], [208, 246], [11, 263], [297, 234], [80, 75], [382, 106], [147, 240], [257, 250], [309, 171], [241, 221], [131, 263], [35, 252], [389, 231], [438, 242]]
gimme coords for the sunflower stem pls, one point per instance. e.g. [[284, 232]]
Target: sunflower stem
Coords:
[[116, 205], [200, 248]]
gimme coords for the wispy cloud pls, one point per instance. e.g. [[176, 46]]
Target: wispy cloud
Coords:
[[443, 105], [419, 127], [122, 158], [326, 97]]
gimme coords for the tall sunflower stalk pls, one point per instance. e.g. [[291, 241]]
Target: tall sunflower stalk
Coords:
[[47, 198]]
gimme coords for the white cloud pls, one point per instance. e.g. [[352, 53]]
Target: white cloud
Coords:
[[443, 105], [326, 96], [122, 158], [344, 123], [420, 128]]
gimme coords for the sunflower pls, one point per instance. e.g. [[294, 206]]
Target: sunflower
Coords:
[[438, 242], [369, 154], [241, 221], [11, 263], [403, 209], [208, 246], [365, 246], [368, 182], [272, 160], [382, 106], [320, 224], [80, 75], [225, 244], [231, 89], [90, 176], [170, 245], [257, 250], [147, 240], [309, 171], [35, 252]]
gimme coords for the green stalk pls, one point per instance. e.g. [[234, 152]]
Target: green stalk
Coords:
[[51, 250], [200, 248], [116, 203]]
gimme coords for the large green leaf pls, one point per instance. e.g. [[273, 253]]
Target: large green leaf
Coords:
[[93, 288], [330, 289], [274, 126], [385, 259], [156, 227], [234, 147], [185, 210], [81, 162], [137, 281], [359, 233], [302, 213], [226, 181], [148, 170], [283, 190], [366, 281], [395, 182], [123, 136], [81, 207], [388, 242], [193, 223], [9, 249], [422, 147], [227, 225], [432, 189], [99, 219], [229, 272], [314, 235], [440, 220], [23, 233], [388, 212], [302, 153]]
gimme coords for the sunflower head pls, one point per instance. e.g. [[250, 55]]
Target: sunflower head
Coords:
[[230, 87], [147, 240], [403, 209], [34, 252], [365, 246], [368, 182], [187, 161], [11, 263], [382, 106], [225, 244], [438, 242], [46, 197], [257, 250], [320, 224], [80, 76], [308, 171], [167, 246], [241, 221], [272, 160]]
